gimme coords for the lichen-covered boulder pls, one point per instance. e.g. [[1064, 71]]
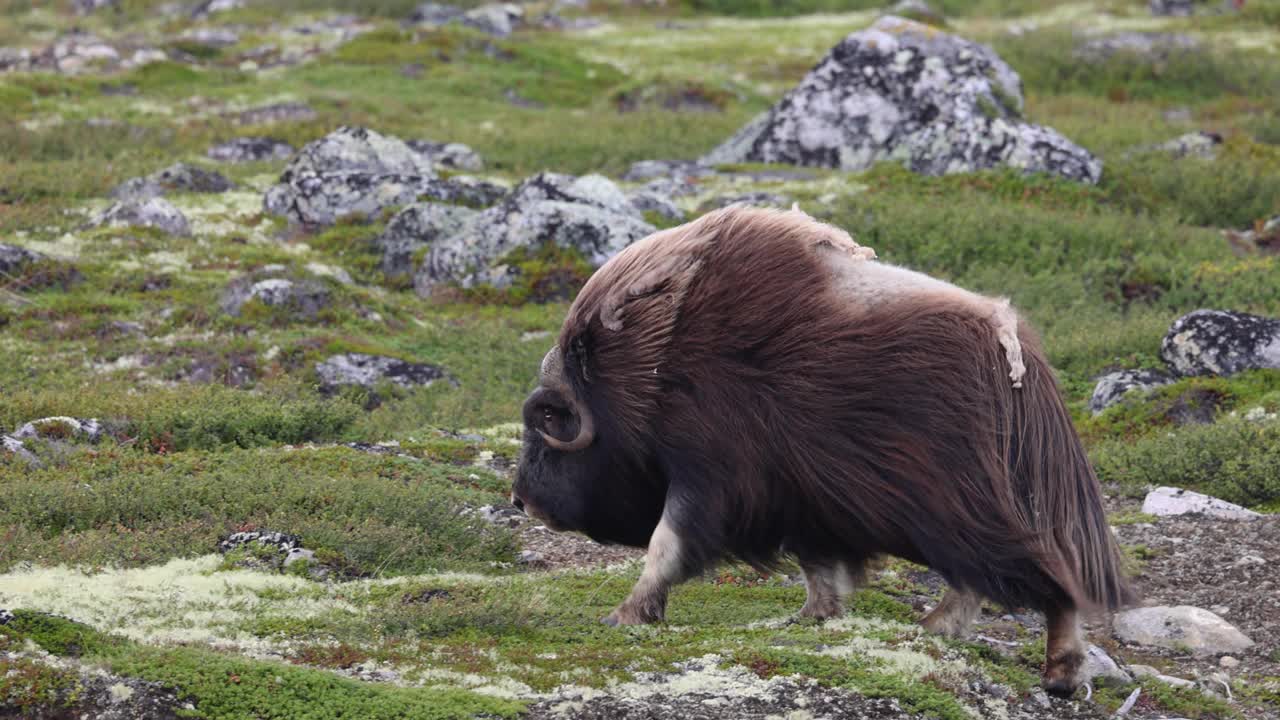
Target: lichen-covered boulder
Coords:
[[356, 171], [450, 155], [180, 177], [369, 371], [1114, 386], [299, 298], [153, 212], [415, 227], [588, 214], [1221, 342], [251, 149], [903, 91]]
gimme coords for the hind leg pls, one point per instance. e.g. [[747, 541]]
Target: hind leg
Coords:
[[954, 614], [1064, 652]]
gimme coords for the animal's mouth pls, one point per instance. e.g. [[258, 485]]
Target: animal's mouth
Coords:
[[536, 513]]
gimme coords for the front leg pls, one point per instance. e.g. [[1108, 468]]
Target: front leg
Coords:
[[665, 564]]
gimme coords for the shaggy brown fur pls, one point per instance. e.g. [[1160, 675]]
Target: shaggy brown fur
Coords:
[[724, 368]]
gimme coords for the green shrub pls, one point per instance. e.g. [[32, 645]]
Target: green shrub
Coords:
[[1234, 459], [367, 514]]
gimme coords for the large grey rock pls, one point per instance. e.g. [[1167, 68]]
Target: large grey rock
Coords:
[[1114, 386], [251, 149], [1169, 502], [450, 155], [367, 371], [180, 177], [1221, 342], [355, 171], [153, 212], [1186, 628], [61, 428], [588, 214], [415, 227], [300, 298], [904, 91], [1101, 669]]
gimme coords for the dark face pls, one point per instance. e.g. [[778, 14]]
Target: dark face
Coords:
[[596, 490]]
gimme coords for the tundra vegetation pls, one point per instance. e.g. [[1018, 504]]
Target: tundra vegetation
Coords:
[[412, 601]]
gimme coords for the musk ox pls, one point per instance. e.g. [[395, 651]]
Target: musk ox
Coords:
[[755, 385]]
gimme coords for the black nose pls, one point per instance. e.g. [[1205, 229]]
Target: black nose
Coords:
[[518, 503]]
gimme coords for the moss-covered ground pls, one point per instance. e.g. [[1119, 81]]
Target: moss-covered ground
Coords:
[[426, 612]]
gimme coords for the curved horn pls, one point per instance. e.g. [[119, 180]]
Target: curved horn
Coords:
[[552, 378]]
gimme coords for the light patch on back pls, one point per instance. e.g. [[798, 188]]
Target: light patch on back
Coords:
[[870, 284]]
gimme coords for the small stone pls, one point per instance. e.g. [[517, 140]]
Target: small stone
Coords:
[[282, 542], [251, 149], [6, 617], [299, 555], [531, 558], [1228, 662], [180, 177], [451, 155], [301, 298], [277, 113], [755, 199], [1112, 387], [1171, 8], [16, 448], [1146, 671], [154, 212], [1169, 501], [1101, 669], [1186, 628], [366, 371]]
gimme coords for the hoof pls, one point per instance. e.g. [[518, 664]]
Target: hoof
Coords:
[[1059, 687], [1062, 675]]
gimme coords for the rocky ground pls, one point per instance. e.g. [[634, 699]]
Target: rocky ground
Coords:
[[275, 279]]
